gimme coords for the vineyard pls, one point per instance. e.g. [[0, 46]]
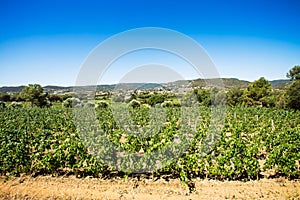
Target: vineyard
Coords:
[[254, 142]]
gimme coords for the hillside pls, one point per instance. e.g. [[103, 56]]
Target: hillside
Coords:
[[279, 84], [228, 83], [11, 89]]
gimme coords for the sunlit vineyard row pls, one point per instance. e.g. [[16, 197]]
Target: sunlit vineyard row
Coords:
[[254, 142]]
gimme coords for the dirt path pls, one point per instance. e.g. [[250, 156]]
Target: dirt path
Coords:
[[48, 187]]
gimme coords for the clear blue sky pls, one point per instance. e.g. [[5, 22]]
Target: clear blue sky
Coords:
[[45, 42]]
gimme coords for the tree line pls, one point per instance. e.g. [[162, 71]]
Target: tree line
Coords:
[[258, 93]]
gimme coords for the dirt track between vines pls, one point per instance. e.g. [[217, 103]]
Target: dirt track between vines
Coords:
[[47, 187]]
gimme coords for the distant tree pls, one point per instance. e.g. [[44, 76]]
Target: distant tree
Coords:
[[72, 102], [293, 95], [155, 99], [66, 96], [16, 97], [204, 97], [4, 97], [234, 96], [189, 98], [118, 98], [34, 94], [208, 97], [218, 98], [256, 92], [294, 73], [281, 100], [269, 101], [55, 97]]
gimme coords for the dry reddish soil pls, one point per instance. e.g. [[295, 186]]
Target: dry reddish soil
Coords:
[[47, 187]]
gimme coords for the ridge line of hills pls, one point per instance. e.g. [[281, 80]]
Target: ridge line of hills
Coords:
[[228, 83]]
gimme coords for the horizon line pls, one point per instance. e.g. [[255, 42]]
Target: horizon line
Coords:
[[109, 84]]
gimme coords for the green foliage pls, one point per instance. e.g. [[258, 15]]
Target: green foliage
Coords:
[[285, 153], [203, 97], [102, 104], [2, 104], [293, 95], [294, 73], [66, 96], [155, 99], [89, 104], [269, 101], [235, 97], [281, 100], [176, 103], [55, 98], [45, 140], [189, 98], [167, 104], [118, 98], [42, 140], [16, 97], [4, 97], [218, 97], [71, 102], [256, 92], [15, 104], [134, 103], [33, 93]]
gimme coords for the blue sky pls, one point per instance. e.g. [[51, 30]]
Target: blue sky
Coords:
[[46, 42]]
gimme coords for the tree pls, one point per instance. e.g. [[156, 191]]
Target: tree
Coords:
[[234, 96], [256, 93], [218, 97], [294, 73], [292, 92], [203, 97], [34, 94], [55, 97], [293, 95], [72, 102], [281, 99], [270, 100], [4, 97], [156, 99], [189, 98], [118, 98], [15, 97]]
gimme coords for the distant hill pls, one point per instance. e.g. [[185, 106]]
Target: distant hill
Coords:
[[279, 84], [52, 88], [234, 82], [228, 83], [11, 89], [133, 86]]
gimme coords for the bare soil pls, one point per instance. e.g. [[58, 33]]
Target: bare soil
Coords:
[[47, 187]]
